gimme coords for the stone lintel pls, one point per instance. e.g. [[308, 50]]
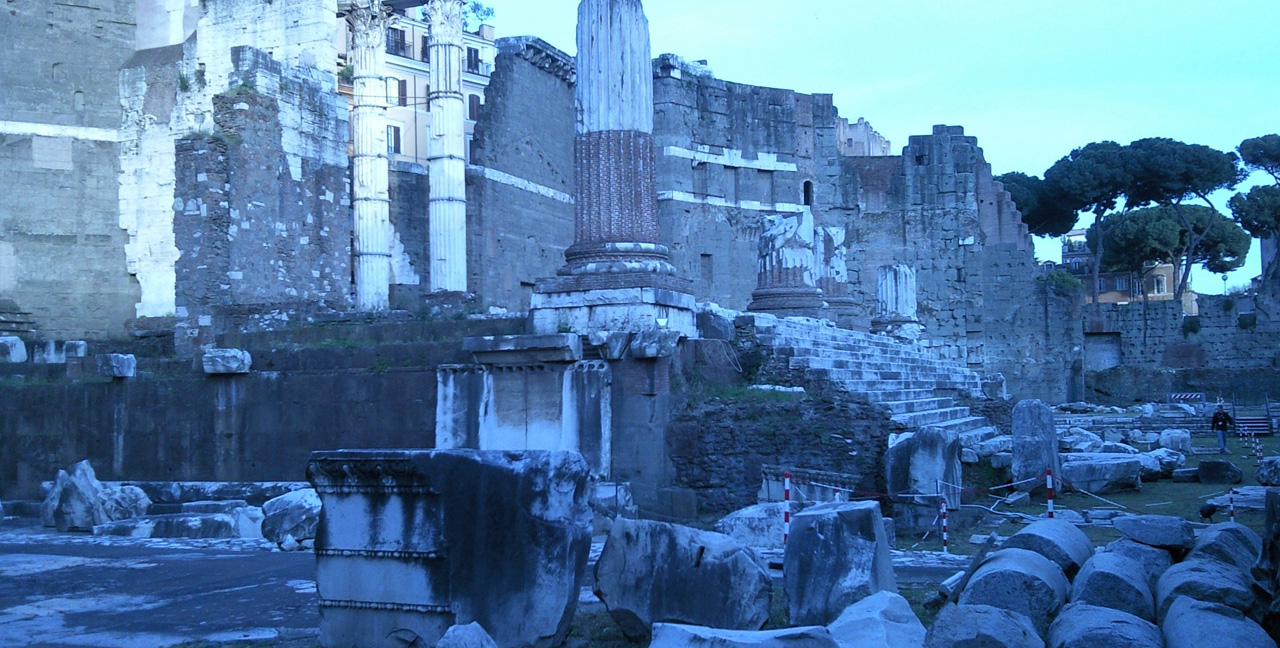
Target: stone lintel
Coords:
[[633, 309], [522, 349]]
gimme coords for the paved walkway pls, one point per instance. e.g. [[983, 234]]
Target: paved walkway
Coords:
[[67, 590], [76, 590]]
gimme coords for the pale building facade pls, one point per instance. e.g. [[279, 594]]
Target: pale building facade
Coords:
[[408, 83]]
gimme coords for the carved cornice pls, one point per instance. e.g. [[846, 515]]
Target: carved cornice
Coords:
[[542, 55], [371, 471]]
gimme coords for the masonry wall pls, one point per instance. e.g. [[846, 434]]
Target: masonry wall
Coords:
[[520, 184], [1228, 350], [410, 191], [60, 241], [256, 427], [261, 244], [727, 155], [167, 93]]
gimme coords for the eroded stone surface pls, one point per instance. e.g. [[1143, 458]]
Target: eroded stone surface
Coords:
[[1190, 623], [1057, 540], [1087, 626], [883, 619], [1153, 560], [1164, 531], [1115, 581], [1228, 542], [1035, 443], [1205, 580], [651, 572], [499, 538], [981, 626], [1020, 581], [837, 554], [295, 514], [675, 635]]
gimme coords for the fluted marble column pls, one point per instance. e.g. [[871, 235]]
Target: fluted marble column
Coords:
[[896, 302], [446, 148], [787, 269], [833, 270], [369, 189], [616, 227]]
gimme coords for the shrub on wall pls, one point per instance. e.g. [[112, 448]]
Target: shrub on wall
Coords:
[[1062, 282], [1190, 325]]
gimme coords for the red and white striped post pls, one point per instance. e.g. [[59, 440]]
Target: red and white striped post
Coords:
[[1048, 482], [942, 515], [835, 495], [1231, 504], [786, 507]]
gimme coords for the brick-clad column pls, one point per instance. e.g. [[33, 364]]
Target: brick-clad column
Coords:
[[616, 228]]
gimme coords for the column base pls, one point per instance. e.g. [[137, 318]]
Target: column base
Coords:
[[788, 302], [612, 302], [907, 330]]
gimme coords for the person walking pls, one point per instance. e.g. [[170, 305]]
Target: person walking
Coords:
[[1221, 421]]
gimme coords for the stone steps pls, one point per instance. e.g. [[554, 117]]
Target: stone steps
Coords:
[[917, 405], [913, 383], [930, 417]]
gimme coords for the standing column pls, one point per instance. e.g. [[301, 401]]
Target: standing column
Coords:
[[446, 149], [369, 169], [616, 227]]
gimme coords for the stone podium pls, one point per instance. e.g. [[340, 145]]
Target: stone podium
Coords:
[[411, 542]]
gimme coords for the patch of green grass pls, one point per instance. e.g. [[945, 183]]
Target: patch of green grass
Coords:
[[745, 392], [596, 628], [916, 594]]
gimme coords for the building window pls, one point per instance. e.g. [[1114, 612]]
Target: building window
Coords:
[[1160, 287], [473, 60], [473, 107], [1102, 284], [1122, 283], [393, 139], [1075, 265], [808, 193], [397, 91], [426, 50], [397, 44]]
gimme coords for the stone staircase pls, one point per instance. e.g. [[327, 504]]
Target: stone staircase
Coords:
[[917, 387]]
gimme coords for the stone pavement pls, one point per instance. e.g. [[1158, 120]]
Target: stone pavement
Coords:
[[67, 590]]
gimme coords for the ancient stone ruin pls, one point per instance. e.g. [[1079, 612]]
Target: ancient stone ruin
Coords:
[[499, 334]]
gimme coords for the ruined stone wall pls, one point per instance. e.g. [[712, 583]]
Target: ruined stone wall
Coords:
[[262, 242], [60, 241], [728, 154], [520, 183], [937, 209], [167, 94], [256, 427], [1233, 332], [409, 190], [718, 445]]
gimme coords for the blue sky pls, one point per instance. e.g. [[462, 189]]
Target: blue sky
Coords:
[[1032, 80]]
